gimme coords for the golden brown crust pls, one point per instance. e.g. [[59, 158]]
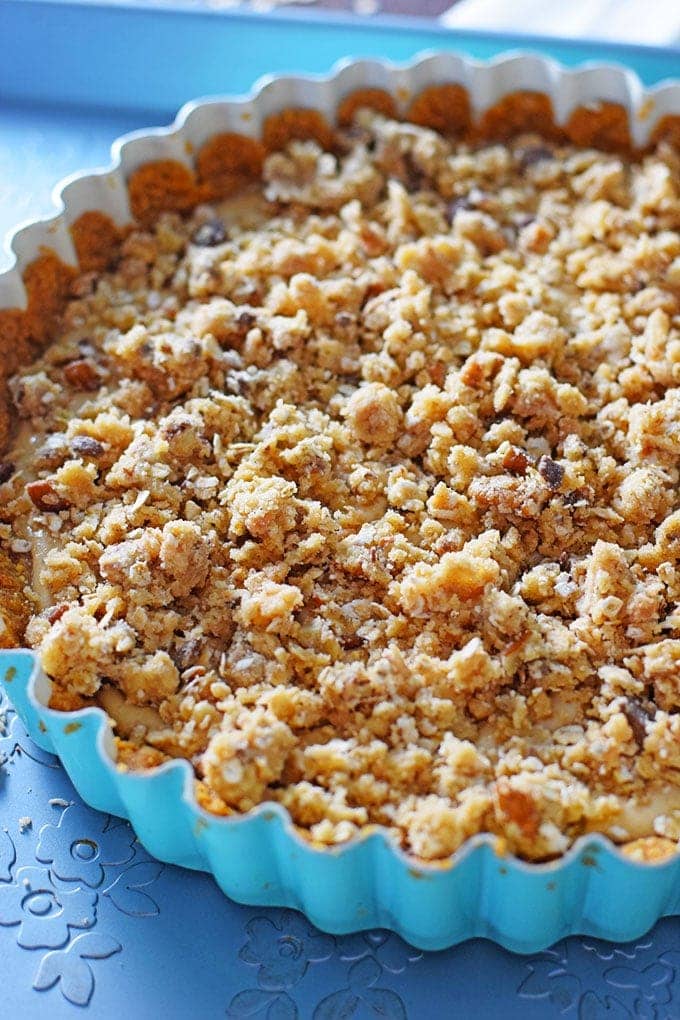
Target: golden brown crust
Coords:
[[667, 130], [14, 351], [5, 414], [228, 161], [161, 186], [48, 283], [516, 113], [13, 342], [66, 701], [601, 125], [97, 241], [372, 99], [444, 108], [303, 124]]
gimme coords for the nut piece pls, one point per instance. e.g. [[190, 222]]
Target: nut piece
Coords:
[[86, 446], [518, 806], [516, 460], [551, 471], [82, 375], [45, 497], [210, 234], [637, 718], [533, 154]]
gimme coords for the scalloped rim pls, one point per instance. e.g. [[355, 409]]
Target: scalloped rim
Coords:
[[181, 766], [196, 121]]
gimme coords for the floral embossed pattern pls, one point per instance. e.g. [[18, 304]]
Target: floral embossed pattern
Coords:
[[84, 913], [634, 981], [78, 857]]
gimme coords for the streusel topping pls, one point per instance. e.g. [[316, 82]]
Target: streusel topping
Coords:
[[360, 491]]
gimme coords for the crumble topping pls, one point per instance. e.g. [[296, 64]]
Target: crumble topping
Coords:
[[360, 491]]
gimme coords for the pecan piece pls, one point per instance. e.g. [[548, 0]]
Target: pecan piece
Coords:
[[44, 496], [577, 497], [86, 446], [516, 460], [351, 641], [473, 199], [637, 717], [82, 375], [519, 807], [345, 319], [551, 471], [460, 204], [188, 652], [56, 612], [7, 469], [245, 319], [533, 154]]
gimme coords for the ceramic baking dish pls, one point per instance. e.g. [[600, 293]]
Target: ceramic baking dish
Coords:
[[258, 858]]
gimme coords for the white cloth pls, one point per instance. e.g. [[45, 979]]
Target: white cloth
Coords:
[[653, 22]]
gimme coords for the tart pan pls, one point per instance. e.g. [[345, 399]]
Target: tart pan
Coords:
[[259, 858]]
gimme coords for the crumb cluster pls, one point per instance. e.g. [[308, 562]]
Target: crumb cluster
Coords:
[[359, 490]]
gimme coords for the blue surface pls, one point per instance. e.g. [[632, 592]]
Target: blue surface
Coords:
[[160, 941]]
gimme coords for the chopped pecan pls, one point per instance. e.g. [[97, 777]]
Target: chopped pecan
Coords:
[[7, 469], [44, 496], [174, 427], [551, 471], [53, 451], [456, 206], [86, 348], [533, 154], [188, 652], [245, 319], [345, 320], [516, 460], [351, 641], [414, 176], [474, 199], [86, 446], [82, 375], [638, 717], [577, 497], [519, 807], [56, 612]]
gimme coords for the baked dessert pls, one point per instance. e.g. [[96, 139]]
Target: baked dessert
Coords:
[[359, 490]]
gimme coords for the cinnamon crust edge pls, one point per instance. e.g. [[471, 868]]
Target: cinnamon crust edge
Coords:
[[229, 159]]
